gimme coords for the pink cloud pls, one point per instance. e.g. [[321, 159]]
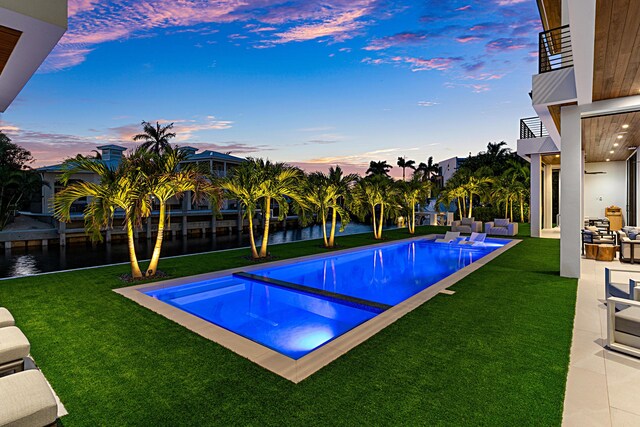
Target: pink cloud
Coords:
[[467, 39], [421, 64], [460, 9], [403, 38], [92, 22], [509, 2]]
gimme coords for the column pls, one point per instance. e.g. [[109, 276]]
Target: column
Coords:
[[536, 195], [571, 201], [548, 197]]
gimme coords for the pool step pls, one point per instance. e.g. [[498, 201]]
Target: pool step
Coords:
[[360, 303]]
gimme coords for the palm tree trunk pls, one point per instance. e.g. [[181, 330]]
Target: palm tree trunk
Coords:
[[135, 268], [334, 220], [470, 205], [506, 208], [252, 239], [521, 208], [153, 265], [324, 229], [375, 228], [459, 208], [511, 210], [412, 220], [267, 219], [381, 221], [403, 174]]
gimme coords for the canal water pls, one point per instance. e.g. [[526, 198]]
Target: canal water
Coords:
[[26, 261]]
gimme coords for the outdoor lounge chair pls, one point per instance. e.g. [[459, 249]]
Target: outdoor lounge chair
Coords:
[[449, 237], [592, 235], [6, 319], [27, 400], [623, 325], [467, 225], [475, 239], [625, 289], [501, 227], [14, 347]]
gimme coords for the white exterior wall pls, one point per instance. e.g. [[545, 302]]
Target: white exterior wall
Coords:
[[603, 190], [571, 164], [535, 207], [448, 167]]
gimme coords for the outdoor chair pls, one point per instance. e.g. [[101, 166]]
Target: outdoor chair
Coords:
[[592, 235], [623, 325], [501, 227], [14, 347], [629, 251], [621, 289], [449, 237], [475, 239], [467, 225], [6, 319], [27, 400]]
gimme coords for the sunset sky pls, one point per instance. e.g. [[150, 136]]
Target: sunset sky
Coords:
[[314, 83]]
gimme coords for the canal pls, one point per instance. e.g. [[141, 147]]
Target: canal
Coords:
[[33, 260]]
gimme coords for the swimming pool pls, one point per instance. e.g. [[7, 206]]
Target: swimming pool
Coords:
[[299, 306]]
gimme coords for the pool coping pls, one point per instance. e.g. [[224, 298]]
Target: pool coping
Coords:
[[286, 367]]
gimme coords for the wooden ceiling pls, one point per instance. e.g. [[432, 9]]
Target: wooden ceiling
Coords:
[[552, 159], [599, 134], [550, 13], [8, 40], [616, 67]]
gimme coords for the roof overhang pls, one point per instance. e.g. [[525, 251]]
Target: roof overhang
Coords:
[[41, 24]]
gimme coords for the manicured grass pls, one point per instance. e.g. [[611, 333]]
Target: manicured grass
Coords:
[[495, 353]]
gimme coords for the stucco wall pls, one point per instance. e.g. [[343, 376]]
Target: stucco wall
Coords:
[[606, 189]]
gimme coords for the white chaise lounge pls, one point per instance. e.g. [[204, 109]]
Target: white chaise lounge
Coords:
[[6, 319], [14, 347], [27, 400], [476, 239], [449, 237]]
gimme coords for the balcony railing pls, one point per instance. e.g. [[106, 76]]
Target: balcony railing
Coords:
[[555, 51], [532, 127]]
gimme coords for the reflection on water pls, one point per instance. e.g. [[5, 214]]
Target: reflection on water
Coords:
[[24, 265], [25, 261]]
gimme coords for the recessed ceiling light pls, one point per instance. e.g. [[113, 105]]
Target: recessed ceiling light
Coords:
[[619, 136], [615, 144], [611, 152], [608, 160], [557, 155], [625, 126]]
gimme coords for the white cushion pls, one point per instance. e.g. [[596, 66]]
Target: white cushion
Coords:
[[467, 221], [501, 222], [6, 319], [26, 400], [13, 345]]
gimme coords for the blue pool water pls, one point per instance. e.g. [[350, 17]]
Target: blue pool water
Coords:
[[296, 308]]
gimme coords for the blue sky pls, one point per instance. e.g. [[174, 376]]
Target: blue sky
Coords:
[[314, 83]]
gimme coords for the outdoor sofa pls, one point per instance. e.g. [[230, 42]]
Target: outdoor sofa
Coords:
[[467, 225], [27, 400], [501, 227]]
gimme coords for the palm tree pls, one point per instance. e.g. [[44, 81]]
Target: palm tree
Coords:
[[497, 150], [117, 188], [375, 195], [156, 138], [404, 164], [521, 172], [243, 183], [379, 168], [324, 193], [411, 193], [167, 178], [429, 169], [278, 181], [343, 184], [476, 186]]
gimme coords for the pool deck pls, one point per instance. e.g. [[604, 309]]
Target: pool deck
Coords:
[[602, 385], [297, 370]]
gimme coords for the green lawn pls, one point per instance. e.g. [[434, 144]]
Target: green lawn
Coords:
[[495, 353]]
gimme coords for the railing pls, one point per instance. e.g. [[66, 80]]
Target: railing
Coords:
[[555, 51], [532, 127]]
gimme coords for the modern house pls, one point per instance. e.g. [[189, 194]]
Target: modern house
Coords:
[[583, 143], [448, 167], [29, 30]]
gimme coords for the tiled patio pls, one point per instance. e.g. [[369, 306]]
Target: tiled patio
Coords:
[[603, 386]]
